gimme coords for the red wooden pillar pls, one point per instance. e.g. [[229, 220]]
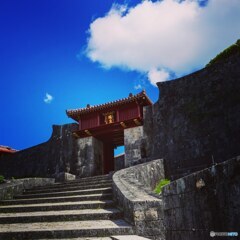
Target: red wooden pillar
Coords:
[[80, 124], [138, 110], [98, 120], [117, 116]]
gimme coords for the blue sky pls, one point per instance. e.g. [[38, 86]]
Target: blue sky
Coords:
[[70, 53]]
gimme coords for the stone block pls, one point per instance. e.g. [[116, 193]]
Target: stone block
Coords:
[[8, 190], [63, 177], [139, 216], [132, 142], [151, 214]]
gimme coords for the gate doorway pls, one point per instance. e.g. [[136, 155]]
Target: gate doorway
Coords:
[[107, 122], [111, 139]]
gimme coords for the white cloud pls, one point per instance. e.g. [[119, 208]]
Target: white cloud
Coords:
[[138, 86], [48, 98], [155, 75], [177, 35]]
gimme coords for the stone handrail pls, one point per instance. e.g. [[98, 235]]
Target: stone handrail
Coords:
[[132, 192]]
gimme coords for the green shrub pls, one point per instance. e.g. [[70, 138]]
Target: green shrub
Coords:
[[226, 53], [1, 179], [160, 185]]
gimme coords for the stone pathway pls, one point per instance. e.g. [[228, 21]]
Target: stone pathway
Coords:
[[77, 210]]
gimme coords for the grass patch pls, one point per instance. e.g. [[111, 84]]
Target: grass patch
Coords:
[[160, 185], [1, 179], [226, 53]]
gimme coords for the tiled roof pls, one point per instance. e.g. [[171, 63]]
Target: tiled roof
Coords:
[[6, 149], [142, 95]]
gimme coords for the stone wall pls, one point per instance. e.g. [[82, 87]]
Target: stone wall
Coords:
[[195, 122], [46, 159], [62, 153], [89, 152], [132, 190], [133, 138], [16, 187], [205, 201], [119, 162], [148, 131]]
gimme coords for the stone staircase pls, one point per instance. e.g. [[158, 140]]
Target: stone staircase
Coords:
[[79, 209]]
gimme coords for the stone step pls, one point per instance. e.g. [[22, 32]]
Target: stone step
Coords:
[[74, 183], [81, 209], [68, 188], [76, 198], [106, 176], [66, 193], [58, 216], [79, 238], [57, 206], [129, 237], [65, 229], [89, 179]]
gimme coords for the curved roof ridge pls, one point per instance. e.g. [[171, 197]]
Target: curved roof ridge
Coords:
[[7, 149], [74, 112]]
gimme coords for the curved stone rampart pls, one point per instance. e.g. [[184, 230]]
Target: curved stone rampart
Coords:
[[195, 122], [132, 189]]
